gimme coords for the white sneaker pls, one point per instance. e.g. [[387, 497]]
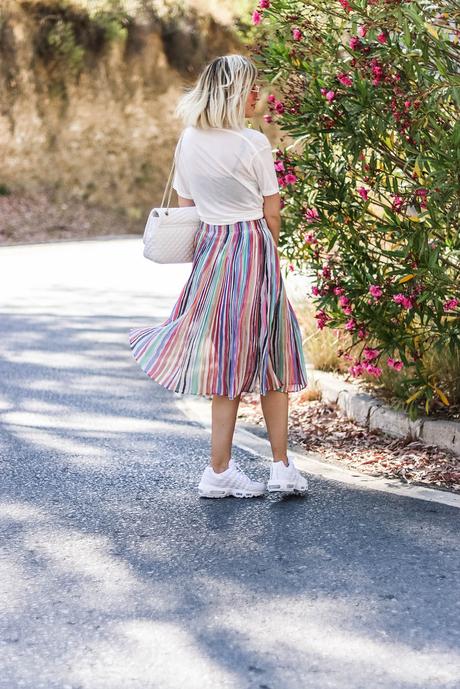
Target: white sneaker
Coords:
[[286, 479], [232, 481]]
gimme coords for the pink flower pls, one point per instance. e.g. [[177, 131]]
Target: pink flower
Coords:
[[450, 304], [355, 43], [362, 191], [279, 166], [310, 238], [344, 301], [291, 267], [392, 363], [256, 17], [311, 215], [279, 107], [376, 291], [370, 354], [264, 4], [297, 34], [356, 370], [351, 324], [290, 178], [372, 370], [268, 119], [382, 37], [397, 203], [346, 5], [377, 72], [338, 291], [271, 98], [362, 30], [362, 334], [321, 319], [315, 291], [402, 300], [345, 79], [330, 95]]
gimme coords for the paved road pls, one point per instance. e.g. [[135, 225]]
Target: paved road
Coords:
[[114, 575]]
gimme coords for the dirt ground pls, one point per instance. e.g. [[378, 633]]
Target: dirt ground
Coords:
[[37, 217]]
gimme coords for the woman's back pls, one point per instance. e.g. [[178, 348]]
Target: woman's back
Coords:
[[226, 172], [232, 329]]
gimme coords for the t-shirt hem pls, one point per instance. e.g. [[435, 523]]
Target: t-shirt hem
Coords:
[[231, 221], [181, 193]]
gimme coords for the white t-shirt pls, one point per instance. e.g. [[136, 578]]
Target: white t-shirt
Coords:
[[226, 172]]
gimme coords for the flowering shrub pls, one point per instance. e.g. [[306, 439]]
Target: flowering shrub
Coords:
[[369, 93]]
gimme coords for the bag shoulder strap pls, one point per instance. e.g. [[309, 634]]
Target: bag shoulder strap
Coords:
[[167, 195]]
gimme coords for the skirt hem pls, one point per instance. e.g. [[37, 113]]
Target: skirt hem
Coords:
[[295, 387]]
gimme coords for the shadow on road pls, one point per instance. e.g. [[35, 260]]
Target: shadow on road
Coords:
[[115, 574]]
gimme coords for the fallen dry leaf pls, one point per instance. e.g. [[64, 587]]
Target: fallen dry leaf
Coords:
[[322, 428]]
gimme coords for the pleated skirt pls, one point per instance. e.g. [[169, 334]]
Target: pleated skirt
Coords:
[[232, 328]]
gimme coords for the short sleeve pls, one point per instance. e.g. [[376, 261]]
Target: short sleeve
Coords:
[[180, 181], [264, 169]]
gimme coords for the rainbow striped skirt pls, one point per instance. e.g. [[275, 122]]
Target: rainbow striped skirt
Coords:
[[232, 328]]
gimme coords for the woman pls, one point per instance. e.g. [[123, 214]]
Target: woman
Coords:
[[232, 329]]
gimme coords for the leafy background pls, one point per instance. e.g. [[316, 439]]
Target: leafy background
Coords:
[[369, 94]]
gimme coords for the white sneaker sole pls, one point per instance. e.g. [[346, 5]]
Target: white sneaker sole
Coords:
[[280, 487], [222, 493]]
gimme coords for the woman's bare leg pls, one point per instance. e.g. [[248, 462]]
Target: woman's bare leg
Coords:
[[224, 412], [275, 405]]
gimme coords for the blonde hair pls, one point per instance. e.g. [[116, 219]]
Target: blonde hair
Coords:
[[219, 96]]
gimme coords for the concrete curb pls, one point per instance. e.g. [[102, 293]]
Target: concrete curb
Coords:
[[371, 412], [199, 410]]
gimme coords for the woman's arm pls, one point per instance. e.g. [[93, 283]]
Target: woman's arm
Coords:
[[272, 214], [185, 202]]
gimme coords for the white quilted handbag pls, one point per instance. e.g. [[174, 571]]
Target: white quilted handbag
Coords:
[[169, 233]]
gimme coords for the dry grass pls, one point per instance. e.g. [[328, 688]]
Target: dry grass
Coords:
[[320, 346], [310, 394]]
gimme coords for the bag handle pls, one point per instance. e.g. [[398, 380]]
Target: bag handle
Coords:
[[170, 179]]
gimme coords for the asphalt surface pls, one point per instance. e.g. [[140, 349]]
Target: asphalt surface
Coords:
[[115, 575]]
